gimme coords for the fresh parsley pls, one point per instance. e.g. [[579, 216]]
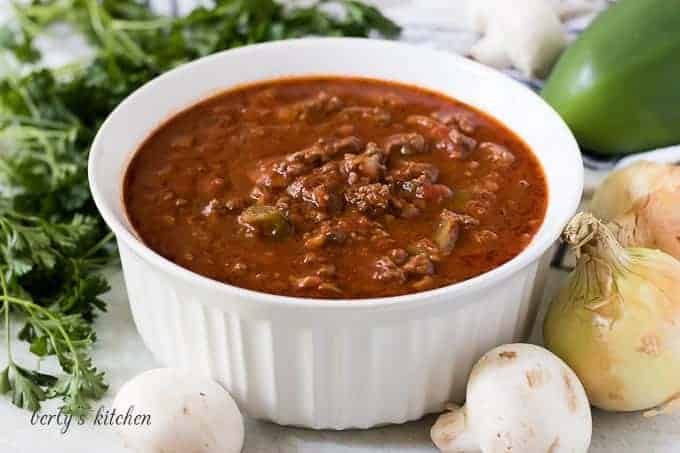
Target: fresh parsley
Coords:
[[53, 244]]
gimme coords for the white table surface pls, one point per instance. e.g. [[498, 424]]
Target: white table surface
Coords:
[[121, 353]]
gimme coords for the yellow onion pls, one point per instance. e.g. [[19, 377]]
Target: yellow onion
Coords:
[[642, 203], [616, 322]]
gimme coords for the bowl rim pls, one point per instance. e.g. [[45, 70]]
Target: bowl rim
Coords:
[[536, 248]]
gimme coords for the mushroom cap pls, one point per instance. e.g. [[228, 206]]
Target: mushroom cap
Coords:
[[522, 398], [188, 413]]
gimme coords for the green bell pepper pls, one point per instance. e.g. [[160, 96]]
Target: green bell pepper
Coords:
[[618, 85]]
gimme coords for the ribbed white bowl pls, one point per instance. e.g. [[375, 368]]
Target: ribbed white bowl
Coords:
[[333, 364]]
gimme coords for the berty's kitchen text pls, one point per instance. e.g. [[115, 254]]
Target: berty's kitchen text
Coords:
[[103, 417]]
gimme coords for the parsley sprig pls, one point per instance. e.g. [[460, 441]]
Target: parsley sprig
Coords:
[[53, 244], [50, 281]]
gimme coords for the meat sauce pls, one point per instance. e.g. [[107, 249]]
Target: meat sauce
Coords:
[[335, 188]]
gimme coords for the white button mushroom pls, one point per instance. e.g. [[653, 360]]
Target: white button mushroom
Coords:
[[187, 414], [526, 34], [521, 398]]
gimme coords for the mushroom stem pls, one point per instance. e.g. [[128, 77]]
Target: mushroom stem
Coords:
[[451, 432]]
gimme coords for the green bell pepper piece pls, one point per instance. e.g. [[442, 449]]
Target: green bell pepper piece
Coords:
[[618, 85]]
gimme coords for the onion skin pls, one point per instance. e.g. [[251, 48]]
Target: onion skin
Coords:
[[642, 204], [616, 323], [653, 222]]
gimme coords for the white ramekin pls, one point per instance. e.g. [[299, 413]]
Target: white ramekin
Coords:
[[333, 364]]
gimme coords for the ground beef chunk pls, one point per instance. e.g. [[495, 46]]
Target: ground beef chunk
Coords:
[[435, 193], [409, 170], [433, 127], [444, 116], [311, 110], [466, 121], [484, 236], [327, 271], [320, 107], [310, 281], [404, 207], [448, 229], [372, 199], [216, 207], [387, 270], [427, 247], [341, 230], [409, 211], [462, 144], [449, 138], [405, 144], [213, 208], [330, 232], [422, 188], [321, 188], [279, 173], [387, 100], [375, 114], [418, 265], [365, 168], [497, 154], [399, 256], [346, 145]]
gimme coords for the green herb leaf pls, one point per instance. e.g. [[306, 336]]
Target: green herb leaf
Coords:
[[5, 385], [19, 44], [26, 386], [79, 388]]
